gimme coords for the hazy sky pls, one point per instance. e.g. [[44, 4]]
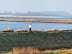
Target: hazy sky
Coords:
[[35, 5]]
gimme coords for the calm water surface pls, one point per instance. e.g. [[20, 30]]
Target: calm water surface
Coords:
[[41, 26]]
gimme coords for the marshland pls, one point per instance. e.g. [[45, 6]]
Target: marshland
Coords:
[[35, 26], [42, 42], [15, 37]]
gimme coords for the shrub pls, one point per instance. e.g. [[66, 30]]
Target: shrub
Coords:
[[54, 30], [6, 30], [21, 30], [17, 30], [36, 30], [63, 30], [25, 29], [47, 30]]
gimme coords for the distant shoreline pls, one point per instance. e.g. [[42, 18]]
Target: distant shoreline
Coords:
[[66, 21]]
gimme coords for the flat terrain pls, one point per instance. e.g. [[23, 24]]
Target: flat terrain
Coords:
[[39, 20], [40, 40]]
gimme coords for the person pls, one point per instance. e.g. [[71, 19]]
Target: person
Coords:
[[30, 26]]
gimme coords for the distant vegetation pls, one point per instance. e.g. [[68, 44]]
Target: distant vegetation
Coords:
[[39, 20], [45, 13], [34, 30]]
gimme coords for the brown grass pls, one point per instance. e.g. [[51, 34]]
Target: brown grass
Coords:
[[25, 29], [6, 30], [54, 30], [59, 51], [63, 30], [36, 30], [28, 50], [21, 30], [47, 30], [40, 20], [50, 30], [17, 30]]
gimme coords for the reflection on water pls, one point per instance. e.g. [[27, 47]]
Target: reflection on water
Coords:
[[40, 26]]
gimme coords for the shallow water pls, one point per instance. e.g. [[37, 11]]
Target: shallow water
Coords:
[[25, 25]]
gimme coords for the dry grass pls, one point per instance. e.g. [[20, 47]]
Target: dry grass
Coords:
[[21, 30], [59, 51], [20, 20], [47, 30], [25, 29], [28, 50], [36, 30], [51, 30], [39, 20], [63, 30], [7, 30], [54, 30], [17, 30]]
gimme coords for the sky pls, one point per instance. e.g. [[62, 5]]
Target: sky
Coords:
[[35, 5]]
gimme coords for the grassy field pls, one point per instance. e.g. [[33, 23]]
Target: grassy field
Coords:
[[40, 40]]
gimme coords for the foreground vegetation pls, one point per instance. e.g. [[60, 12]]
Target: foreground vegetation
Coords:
[[50, 40], [36, 51], [58, 51]]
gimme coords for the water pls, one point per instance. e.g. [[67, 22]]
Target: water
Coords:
[[25, 25], [30, 18]]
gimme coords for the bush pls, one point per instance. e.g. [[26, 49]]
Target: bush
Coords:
[[47, 30], [21, 30], [25, 29], [54, 30], [17, 30], [7, 30], [36, 30], [63, 30]]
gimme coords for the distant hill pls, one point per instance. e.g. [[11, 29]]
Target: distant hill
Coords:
[[45, 13], [53, 13]]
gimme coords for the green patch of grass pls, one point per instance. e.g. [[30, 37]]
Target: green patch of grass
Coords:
[[40, 40]]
